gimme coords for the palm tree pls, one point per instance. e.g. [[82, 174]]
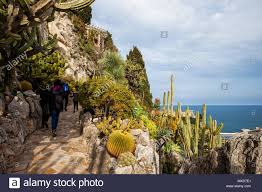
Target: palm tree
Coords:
[[113, 65]]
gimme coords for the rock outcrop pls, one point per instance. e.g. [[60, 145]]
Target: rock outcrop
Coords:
[[100, 161], [23, 118], [242, 154], [79, 63]]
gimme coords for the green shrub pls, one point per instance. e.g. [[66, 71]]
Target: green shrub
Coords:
[[151, 126], [46, 68], [108, 97]]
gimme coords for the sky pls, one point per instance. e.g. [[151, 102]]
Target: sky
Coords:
[[213, 47]]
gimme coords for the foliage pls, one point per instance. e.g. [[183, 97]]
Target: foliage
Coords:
[[45, 68], [137, 77], [19, 22], [170, 147], [139, 111], [84, 14], [109, 44], [108, 124], [151, 126], [126, 159], [26, 86], [156, 105], [108, 97], [120, 142], [113, 65]]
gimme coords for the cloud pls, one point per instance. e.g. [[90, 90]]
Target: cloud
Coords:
[[208, 42]]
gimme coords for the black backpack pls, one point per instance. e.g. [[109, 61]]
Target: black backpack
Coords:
[[59, 102]]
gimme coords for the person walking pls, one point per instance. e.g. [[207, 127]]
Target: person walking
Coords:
[[56, 104], [45, 105], [75, 99], [66, 94]]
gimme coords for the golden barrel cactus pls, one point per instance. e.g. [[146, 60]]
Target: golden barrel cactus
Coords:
[[120, 142]]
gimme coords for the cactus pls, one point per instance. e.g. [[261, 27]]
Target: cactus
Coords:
[[126, 159], [120, 142], [26, 86], [75, 4], [203, 129], [172, 93], [196, 135], [168, 101], [164, 102], [179, 108]]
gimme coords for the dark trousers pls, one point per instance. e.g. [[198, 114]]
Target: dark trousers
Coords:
[[55, 118], [66, 100], [75, 106]]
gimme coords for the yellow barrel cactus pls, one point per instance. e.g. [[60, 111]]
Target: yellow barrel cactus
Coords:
[[120, 142]]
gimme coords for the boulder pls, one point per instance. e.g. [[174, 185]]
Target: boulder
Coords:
[[19, 107]]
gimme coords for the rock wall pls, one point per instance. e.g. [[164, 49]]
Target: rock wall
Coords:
[[79, 64], [23, 118], [242, 154], [100, 161]]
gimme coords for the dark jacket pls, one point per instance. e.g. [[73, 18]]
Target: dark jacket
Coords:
[[57, 98]]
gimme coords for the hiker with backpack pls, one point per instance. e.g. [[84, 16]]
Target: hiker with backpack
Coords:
[[57, 98], [75, 99], [66, 94]]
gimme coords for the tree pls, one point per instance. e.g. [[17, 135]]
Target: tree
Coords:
[[137, 77], [113, 65], [109, 44]]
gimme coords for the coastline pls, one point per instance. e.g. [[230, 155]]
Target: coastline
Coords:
[[230, 135]]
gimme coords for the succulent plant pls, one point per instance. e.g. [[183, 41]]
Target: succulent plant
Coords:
[[120, 142], [126, 159]]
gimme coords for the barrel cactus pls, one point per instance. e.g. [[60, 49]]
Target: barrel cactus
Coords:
[[120, 142], [126, 159], [26, 86]]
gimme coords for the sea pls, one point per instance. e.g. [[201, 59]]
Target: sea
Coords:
[[234, 117]]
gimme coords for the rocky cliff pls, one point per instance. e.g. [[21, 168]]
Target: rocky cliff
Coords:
[[242, 154], [79, 63], [23, 118]]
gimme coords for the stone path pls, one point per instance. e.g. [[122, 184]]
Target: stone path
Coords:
[[65, 154]]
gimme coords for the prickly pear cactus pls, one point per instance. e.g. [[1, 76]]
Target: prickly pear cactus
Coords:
[[120, 142]]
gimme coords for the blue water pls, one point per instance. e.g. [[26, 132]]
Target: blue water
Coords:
[[234, 117]]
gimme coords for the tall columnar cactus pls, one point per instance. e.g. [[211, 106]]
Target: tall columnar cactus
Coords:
[[203, 130], [168, 101], [164, 102], [196, 134], [179, 108], [172, 93]]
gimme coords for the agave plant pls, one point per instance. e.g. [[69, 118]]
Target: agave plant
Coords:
[[19, 27]]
